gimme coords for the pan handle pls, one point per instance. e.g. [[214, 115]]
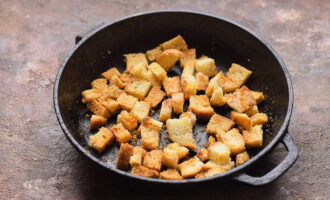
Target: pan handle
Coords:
[[82, 35], [278, 170]]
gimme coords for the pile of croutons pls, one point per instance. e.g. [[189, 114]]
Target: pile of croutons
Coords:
[[145, 86]]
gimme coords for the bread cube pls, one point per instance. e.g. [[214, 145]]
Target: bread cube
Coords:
[[227, 166], [144, 171], [241, 100], [110, 73], [177, 102], [234, 141], [116, 80], [150, 129], [241, 119], [153, 53], [153, 159], [190, 167], [157, 70], [137, 156], [127, 119], [258, 96], [217, 98], [203, 155], [210, 141], [111, 105], [170, 158], [254, 137], [91, 94], [238, 73], [126, 101], [126, 76], [219, 134], [219, 153], [121, 133], [219, 123], [227, 96], [124, 155], [112, 91], [202, 81], [206, 65], [211, 172], [100, 83], [180, 150], [188, 56], [259, 118], [98, 109], [103, 138], [189, 86], [138, 88], [200, 105], [155, 96], [180, 131], [226, 83], [170, 174], [253, 110], [172, 85], [212, 85], [152, 78], [189, 68], [189, 115], [168, 58], [175, 43], [242, 158], [134, 59], [141, 110], [166, 110], [96, 122]]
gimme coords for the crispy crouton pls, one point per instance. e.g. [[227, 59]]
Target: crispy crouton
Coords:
[[153, 159], [101, 139], [137, 156], [96, 122], [98, 109], [115, 80], [166, 110], [241, 100], [258, 96], [234, 141], [189, 86], [112, 91], [253, 137], [168, 58], [134, 59], [219, 153], [210, 141], [226, 166], [219, 134], [217, 98], [140, 170], [153, 53], [253, 110], [190, 167], [155, 82], [202, 81], [206, 65], [238, 73], [177, 102], [170, 174], [203, 155], [176, 43], [157, 70], [139, 71], [150, 129], [227, 96], [189, 115], [180, 150], [188, 56], [109, 104], [110, 73], [124, 155], [172, 85], [217, 123], [127, 119], [170, 158], [259, 118], [155, 96], [180, 131], [121, 133], [91, 94], [241, 119], [211, 172], [126, 102], [141, 110], [100, 83], [225, 83], [138, 88], [189, 69], [126, 76], [242, 158], [200, 105]]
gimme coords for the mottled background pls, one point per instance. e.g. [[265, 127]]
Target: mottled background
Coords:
[[37, 161]]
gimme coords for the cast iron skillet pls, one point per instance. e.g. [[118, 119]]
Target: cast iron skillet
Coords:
[[217, 37]]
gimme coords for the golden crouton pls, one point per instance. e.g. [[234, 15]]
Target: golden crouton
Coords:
[[170, 158], [258, 96], [203, 155], [241, 100], [234, 141], [100, 83], [189, 115], [126, 76], [238, 73], [110, 73], [127, 119], [200, 105], [219, 134], [217, 98], [138, 88], [180, 131], [227, 96], [253, 137], [155, 82], [170, 174], [202, 81], [210, 141], [153, 53], [222, 81], [140, 170], [189, 86], [96, 122], [242, 158], [101, 139], [189, 69], [98, 109], [241, 119], [137, 156], [141, 72], [141, 110], [180, 150], [157, 70], [211, 172], [121, 133], [116, 80], [259, 118], [206, 65], [126, 102], [253, 110], [175, 43], [109, 104], [177, 102], [124, 155], [91, 94], [219, 153], [155, 96], [168, 58], [153, 159], [172, 85], [134, 59], [226, 166], [150, 129], [188, 56], [190, 167], [112, 91], [166, 110], [217, 123]]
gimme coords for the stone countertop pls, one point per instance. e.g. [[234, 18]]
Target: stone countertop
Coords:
[[37, 161]]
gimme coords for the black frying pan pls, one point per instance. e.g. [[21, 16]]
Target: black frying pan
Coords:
[[216, 37]]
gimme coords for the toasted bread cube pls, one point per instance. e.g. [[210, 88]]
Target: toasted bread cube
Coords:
[[98, 109], [153, 159], [253, 137], [258, 96], [217, 98], [226, 83], [157, 70], [155, 82], [241, 100], [180, 150], [115, 80], [141, 110], [200, 105], [175, 43], [126, 102], [189, 69], [103, 138], [124, 155], [96, 122], [210, 141], [127, 119], [226, 166], [109, 104], [134, 59], [137, 156], [259, 118], [172, 85], [155, 96], [112, 91], [234, 141], [242, 158], [170, 174], [168, 58], [227, 96], [100, 83], [253, 110], [180, 131], [202, 81], [138, 88], [191, 116], [211, 172], [170, 158], [110, 73], [241, 119], [91, 94], [189, 86], [188, 56], [238, 73], [121, 133], [126, 76], [206, 65], [212, 85], [219, 123], [203, 155], [140, 170], [177, 102], [190, 167], [219, 134], [153, 53], [219, 153], [166, 110], [139, 71], [150, 129]]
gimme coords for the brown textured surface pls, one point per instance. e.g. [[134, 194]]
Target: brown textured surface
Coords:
[[37, 161]]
